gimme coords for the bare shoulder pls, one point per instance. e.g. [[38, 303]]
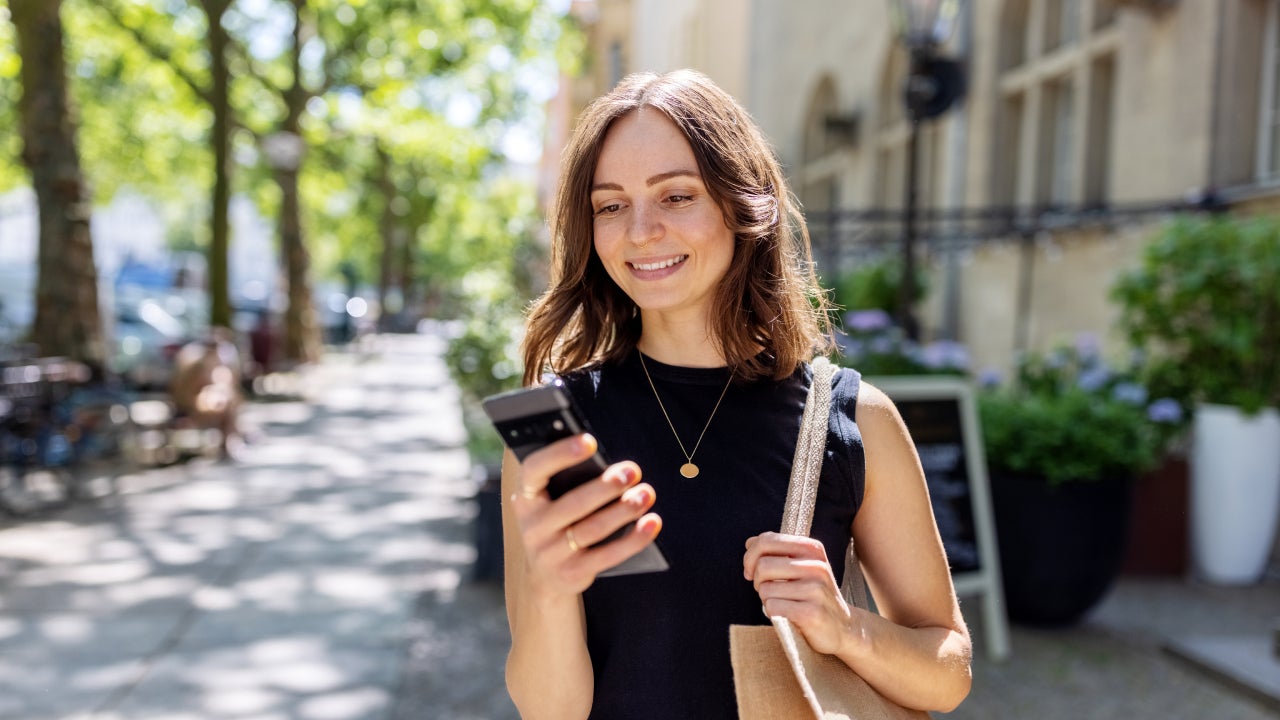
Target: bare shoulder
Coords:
[[876, 411]]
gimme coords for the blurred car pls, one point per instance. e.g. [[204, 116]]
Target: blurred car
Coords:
[[147, 338], [342, 317]]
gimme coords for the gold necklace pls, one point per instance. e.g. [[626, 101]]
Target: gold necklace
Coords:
[[688, 469]]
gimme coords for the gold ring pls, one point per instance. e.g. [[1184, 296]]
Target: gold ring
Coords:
[[573, 544]]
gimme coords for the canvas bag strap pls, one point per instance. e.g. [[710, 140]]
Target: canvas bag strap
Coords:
[[806, 466], [806, 471]]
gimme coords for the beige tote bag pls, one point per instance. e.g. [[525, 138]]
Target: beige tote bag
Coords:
[[776, 675]]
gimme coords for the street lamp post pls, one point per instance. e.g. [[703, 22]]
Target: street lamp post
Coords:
[[933, 84]]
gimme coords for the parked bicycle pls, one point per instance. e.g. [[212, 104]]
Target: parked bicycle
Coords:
[[58, 424], [35, 451]]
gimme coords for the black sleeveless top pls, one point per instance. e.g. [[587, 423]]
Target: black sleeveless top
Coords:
[[659, 642]]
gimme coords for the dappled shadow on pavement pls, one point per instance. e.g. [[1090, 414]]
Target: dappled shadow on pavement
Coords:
[[281, 586]]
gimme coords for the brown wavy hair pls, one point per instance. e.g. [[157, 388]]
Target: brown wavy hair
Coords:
[[769, 298]]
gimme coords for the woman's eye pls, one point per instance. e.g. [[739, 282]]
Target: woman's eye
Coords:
[[679, 198], [609, 209]]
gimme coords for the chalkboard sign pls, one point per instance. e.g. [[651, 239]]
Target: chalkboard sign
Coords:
[[936, 427], [943, 420]]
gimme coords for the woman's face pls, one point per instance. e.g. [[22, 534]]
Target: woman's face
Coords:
[[660, 234]]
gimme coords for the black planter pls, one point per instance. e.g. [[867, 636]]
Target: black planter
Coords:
[[488, 527], [1060, 547]]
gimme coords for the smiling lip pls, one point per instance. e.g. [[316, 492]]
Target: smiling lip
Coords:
[[656, 268]]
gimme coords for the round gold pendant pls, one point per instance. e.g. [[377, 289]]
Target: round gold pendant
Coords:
[[689, 470]]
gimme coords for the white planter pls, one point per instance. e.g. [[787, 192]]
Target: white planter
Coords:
[[1235, 493]]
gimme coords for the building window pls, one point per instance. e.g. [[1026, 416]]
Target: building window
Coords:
[[1057, 171], [1056, 85], [1061, 23], [1269, 119], [1013, 35], [1104, 13]]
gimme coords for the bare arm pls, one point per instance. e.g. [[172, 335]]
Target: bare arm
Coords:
[[917, 652], [549, 672]]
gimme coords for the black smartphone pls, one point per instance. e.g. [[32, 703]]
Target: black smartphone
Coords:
[[531, 418]]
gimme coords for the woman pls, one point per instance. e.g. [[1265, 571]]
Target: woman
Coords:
[[681, 313]]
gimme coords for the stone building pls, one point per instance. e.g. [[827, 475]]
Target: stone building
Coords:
[[1085, 124]]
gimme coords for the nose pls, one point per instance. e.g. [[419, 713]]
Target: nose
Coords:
[[645, 225]]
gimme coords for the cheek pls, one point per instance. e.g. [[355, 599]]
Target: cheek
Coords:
[[723, 246], [605, 248], [603, 242]]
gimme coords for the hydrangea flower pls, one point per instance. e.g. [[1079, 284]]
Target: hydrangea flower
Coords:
[[946, 354], [1087, 345], [989, 378], [868, 321], [1129, 392], [1069, 415], [1165, 410], [1093, 378]]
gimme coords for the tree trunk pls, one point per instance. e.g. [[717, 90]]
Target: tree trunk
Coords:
[[386, 228], [405, 275], [67, 320], [301, 334], [301, 331], [219, 285]]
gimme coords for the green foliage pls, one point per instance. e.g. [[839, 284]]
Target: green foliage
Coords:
[[1205, 304], [407, 105], [140, 127], [12, 172], [875, 286], [484, 360], [1071, 417], [420, 93], [490, 241]]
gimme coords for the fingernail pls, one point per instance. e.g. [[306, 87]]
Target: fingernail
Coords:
[[629, 475], [638, 497], [650, 525], [587, 443]]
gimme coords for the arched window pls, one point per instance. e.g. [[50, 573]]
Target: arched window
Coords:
[[827, 133], [818, 138]]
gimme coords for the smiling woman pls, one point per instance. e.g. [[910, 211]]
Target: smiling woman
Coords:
[[661, 236], [682, 316]]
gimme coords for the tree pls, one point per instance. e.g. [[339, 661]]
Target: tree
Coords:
[[148, 25], [345, 77], [67, 320], [389, 58], [417, 94]]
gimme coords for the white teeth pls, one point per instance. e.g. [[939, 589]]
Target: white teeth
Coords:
[[659, 265]]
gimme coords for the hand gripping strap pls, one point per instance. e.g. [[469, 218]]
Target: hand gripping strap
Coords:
[[806, 471]]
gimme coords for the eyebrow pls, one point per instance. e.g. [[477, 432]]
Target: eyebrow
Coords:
[[651, 181]]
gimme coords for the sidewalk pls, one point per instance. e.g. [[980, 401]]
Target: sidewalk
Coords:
[[279, 587], [327, 577]]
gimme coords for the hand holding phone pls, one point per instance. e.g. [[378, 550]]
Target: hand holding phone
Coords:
[[532, 418]]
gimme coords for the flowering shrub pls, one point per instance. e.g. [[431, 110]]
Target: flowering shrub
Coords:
[[1071, 416], [873, 345], [1205, 303]]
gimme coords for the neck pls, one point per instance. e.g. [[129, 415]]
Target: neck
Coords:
[[686, 342]]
